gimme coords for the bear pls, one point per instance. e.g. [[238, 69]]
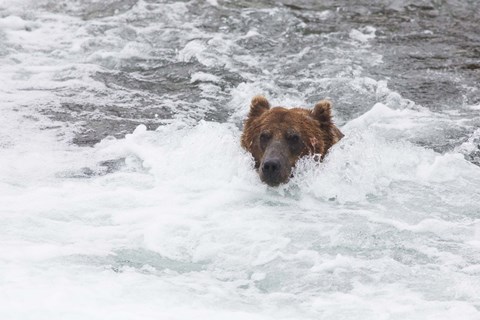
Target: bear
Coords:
[[277, 137]]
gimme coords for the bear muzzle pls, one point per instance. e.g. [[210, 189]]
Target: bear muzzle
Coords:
[[275, 167]]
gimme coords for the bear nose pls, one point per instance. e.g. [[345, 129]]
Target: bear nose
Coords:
[[271, 166], [271, 170]]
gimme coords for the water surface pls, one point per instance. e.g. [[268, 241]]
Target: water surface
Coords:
[[125, 194]]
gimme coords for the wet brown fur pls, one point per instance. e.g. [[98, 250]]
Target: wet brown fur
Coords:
[[315, 128]]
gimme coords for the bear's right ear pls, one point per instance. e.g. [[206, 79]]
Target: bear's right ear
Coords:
[[258, 106]]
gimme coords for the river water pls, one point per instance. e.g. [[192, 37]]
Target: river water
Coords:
[[124, 193]]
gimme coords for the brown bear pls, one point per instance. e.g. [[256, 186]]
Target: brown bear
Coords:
[[277, 137]]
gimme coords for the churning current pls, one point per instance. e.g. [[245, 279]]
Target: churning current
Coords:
[[125, 194]]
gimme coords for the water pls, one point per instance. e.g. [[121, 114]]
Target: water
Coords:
[[125, 193]]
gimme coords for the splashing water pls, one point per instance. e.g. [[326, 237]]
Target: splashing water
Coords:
[[125, 193]]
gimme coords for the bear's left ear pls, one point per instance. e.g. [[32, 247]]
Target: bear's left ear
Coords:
[[258, 106], [322, 112]]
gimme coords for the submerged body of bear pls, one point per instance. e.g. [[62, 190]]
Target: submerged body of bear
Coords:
[[278, 137]]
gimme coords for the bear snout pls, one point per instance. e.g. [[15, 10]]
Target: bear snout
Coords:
[[271, 166], [274, 171]]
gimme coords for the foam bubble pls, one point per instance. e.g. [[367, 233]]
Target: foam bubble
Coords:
[[363, 34], [205, 77], [14, 23]]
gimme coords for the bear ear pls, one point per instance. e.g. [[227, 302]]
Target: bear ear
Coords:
[[258, 106], [322, 111]]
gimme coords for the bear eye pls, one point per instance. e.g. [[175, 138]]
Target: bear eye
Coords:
[[295, 142], [264, 138], [293, 137]]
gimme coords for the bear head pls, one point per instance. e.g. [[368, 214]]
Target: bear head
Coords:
[[277, 137]]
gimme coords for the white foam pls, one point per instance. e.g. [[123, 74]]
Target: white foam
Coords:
[[326, 14], [191, 50], [363, 34], [202, 206], [13, 23], [471, 145], [204, 77], [213, 3]]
